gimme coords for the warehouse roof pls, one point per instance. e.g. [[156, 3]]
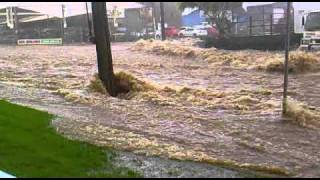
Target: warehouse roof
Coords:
[[54, 9]]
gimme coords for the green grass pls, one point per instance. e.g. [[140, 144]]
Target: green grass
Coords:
[[30, 147]]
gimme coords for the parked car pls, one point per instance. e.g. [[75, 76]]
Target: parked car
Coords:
[[170, 32], [183, 28], [150, 33], [213, 32], [193, 32]]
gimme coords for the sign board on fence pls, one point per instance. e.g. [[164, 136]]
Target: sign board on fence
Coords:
[[54, 41]]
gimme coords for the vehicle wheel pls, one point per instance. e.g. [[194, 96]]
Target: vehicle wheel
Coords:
[[181, 35], [194, 35]]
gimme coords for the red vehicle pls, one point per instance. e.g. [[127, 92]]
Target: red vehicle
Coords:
[[171, 31], [213, 32]]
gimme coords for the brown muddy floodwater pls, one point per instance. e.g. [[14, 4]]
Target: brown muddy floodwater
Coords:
[[241, 126]]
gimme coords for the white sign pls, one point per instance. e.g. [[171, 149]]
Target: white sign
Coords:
[[53, 41], [115, 12]]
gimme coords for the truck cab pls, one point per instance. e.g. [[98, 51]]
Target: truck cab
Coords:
[[311, 30]]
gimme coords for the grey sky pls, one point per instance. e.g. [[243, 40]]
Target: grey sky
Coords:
[[296, 5]]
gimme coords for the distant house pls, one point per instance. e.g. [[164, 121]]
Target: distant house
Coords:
[[47, 21], [195, 17], [9, 28]]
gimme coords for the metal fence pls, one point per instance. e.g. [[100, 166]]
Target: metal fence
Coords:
[[259, 25]]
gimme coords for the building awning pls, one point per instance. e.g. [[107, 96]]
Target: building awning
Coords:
[[39, 18]]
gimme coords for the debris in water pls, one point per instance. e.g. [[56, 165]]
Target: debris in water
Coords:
[[303, 114]]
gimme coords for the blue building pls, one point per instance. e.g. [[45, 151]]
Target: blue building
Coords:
[[195, 17]]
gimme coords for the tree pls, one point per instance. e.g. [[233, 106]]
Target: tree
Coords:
[[218, 13], [103, 48]]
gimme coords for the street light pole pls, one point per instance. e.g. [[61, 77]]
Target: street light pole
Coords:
[[89, 21], [287, 46], [163, 32], [154, 20]]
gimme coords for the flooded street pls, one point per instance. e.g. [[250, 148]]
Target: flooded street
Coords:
[[216, 114], [148, 166]]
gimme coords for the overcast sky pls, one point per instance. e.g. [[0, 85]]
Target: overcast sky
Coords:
[[296, 5]]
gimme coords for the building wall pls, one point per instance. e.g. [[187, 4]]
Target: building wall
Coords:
[[193, 18], [50, 28], [77, 28], [172, 14], [133, 20]]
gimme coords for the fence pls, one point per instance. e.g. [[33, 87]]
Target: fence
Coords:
[[260, 25], [261, 31]]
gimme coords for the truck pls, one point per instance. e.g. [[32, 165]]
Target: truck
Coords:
[[263, 27], [310, 27]]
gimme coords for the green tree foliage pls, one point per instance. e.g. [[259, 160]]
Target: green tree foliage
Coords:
[[217, 11]]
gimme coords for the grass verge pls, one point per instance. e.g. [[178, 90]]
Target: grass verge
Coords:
[[30, 147]]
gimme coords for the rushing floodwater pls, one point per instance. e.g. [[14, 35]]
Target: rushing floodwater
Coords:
[[170, 124]]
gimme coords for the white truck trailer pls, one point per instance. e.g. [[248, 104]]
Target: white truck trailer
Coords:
[[308, 24]]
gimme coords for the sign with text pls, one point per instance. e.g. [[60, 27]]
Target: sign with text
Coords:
[[55, 41]]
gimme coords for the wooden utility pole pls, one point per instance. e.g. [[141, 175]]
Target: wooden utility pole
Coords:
[[103, 48], [163, 30], [154, 20], [287, 46]]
